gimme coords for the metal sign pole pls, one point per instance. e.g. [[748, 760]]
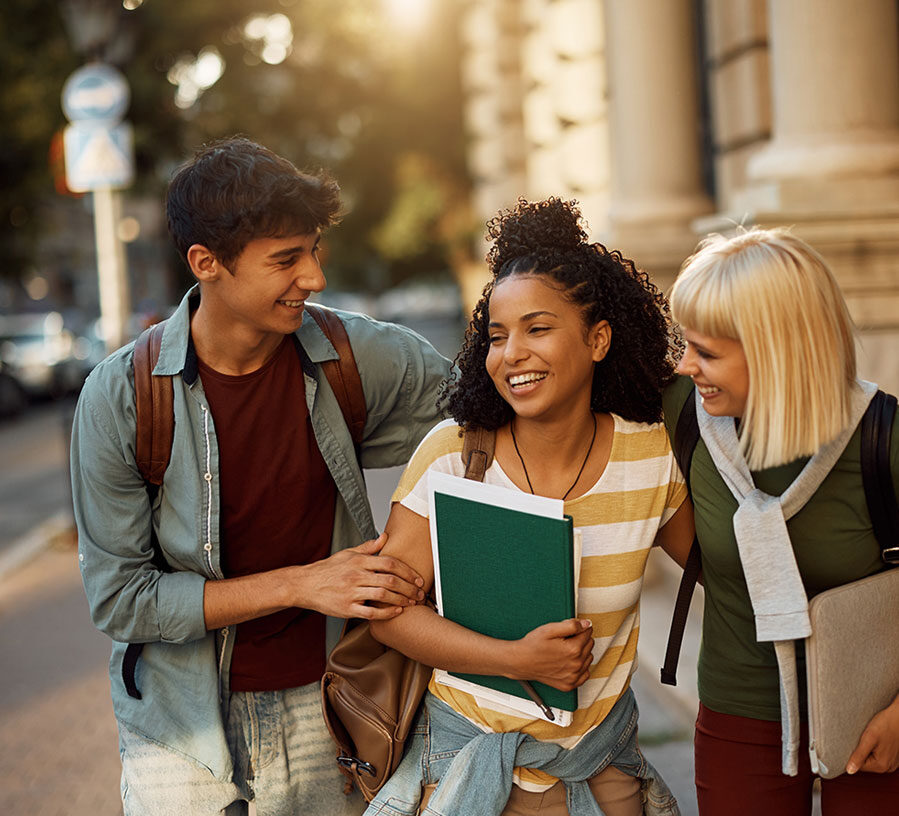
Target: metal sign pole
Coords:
[[112, 273], [99, 159]]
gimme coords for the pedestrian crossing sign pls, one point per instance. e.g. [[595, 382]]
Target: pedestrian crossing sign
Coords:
[[98, 157]]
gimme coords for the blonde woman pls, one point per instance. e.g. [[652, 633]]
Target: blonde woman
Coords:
[[770, 350]]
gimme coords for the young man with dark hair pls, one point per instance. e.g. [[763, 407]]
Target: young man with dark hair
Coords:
[[262, 517]]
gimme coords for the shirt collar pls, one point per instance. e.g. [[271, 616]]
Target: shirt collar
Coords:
[[177, 354]]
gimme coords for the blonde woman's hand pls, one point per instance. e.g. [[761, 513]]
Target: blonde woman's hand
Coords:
[[878, 747]]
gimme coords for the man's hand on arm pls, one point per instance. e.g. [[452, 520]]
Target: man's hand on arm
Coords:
[[340, 585]]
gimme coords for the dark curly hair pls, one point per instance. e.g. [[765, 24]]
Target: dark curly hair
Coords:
[[234, 191], [545, 238]]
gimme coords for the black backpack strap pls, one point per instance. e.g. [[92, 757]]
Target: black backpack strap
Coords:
[[129, 667], [877, 476], [686, 435]]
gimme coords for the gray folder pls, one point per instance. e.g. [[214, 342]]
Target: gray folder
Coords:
[[852, 665]]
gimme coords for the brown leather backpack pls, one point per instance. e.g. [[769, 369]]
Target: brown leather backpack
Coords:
[[370, 692]]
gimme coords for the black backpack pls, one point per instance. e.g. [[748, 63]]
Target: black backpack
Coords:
[[876, 425]]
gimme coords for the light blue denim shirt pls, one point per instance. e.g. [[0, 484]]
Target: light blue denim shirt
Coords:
[[183, 670]]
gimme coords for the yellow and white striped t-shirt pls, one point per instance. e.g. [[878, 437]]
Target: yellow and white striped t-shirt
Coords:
[[639, 490]]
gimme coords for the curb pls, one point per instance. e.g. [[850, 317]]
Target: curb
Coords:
[[34, 542]]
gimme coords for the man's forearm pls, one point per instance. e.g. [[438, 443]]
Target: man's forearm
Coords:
[[340, 585], [235, 600]]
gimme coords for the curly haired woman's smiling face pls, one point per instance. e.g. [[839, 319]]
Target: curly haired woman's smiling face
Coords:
[[541, 355]]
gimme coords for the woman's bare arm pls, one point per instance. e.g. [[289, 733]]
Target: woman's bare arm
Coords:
[[558, 654], [676, 537]]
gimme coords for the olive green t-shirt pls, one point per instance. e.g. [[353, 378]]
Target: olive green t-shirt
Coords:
[[833, 543]]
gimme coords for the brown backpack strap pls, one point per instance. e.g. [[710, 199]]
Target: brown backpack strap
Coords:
[[155, 407], [155, 431], [342, 374], [477, 451]]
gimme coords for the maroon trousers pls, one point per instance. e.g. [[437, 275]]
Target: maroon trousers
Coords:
[[738, 773]]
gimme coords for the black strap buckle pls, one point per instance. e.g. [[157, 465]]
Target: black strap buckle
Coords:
[[356, 764], [890, 555]]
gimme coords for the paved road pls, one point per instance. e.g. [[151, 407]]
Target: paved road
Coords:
[[34, 481], [58, 749]]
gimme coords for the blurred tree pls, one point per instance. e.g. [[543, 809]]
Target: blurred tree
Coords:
[[328, 84], [427, 225], [34, 60]]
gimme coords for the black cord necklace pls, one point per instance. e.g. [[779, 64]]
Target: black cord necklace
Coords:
[[583, 464]]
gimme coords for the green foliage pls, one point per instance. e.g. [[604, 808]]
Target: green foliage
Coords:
[[425, 224], [34, 55], [357, 94]]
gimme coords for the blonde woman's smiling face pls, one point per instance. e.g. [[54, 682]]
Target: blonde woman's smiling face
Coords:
[[718, 368]]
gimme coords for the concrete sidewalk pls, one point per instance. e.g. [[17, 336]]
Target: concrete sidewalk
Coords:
[[59, 753]]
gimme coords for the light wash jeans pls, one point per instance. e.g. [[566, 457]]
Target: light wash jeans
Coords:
[[283, 762]]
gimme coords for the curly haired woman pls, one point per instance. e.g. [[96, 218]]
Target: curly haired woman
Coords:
[[565, 359]]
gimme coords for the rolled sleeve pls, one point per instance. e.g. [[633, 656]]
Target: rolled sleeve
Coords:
[[401, 375], [179, 606]]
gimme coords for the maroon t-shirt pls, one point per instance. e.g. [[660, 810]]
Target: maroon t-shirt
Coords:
[[277, 509]]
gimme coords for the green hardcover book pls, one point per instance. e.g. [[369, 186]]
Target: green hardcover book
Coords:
[[504, 564]]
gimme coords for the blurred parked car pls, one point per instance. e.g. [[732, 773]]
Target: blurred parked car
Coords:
[[41, 353], [13, 398], [420, 301]]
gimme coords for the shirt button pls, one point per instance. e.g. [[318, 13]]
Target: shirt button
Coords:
[[207, 547], [207, 477], [81, 556]]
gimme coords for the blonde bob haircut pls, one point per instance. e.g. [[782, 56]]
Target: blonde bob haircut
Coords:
[[776, 295]]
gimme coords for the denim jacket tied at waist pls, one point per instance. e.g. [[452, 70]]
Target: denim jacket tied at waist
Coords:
[[475, 769]]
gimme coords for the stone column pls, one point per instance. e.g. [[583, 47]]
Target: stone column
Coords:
[[491, 72], [831, 168], [657, 187], [835, 72], [565, 112]]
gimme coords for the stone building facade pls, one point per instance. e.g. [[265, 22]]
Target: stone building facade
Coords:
[[670, 119]]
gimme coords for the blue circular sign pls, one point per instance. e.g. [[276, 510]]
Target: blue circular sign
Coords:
[[95, 93]]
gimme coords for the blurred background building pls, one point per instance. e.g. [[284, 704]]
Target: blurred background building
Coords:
[[670, 119], [665, 119]]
